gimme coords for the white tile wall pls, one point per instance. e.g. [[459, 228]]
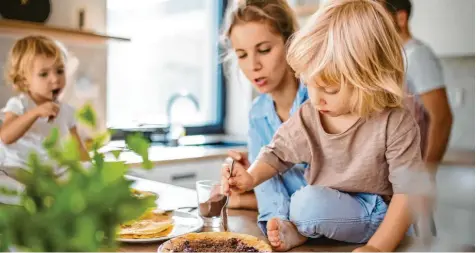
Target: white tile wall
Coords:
[[459, 77]]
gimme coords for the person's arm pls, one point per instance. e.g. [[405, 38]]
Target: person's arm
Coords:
[[393, 227], [84, 155], [15, 126], [16, 123], [288, 147], [426, 75], [441, 119], [242, 180], [403, 155]]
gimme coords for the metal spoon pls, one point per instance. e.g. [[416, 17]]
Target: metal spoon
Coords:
[[224, 214]]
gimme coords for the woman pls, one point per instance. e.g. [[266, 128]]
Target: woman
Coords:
[[257, 33]]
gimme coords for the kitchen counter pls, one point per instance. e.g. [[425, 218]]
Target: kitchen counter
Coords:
[[463, 157], [240, 221], [160, 155]]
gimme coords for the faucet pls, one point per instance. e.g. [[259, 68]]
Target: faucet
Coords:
[[173, 135]]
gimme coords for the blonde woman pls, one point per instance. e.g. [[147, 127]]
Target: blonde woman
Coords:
[[256, 32], [353, 132]]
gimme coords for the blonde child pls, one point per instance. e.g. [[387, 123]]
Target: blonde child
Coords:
[[35, 68], [353, 133]]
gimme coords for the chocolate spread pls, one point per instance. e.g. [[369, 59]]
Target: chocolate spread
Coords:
[[213, 206], [210, 245]]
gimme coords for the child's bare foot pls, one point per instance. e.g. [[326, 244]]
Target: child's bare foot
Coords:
[[283, 235]]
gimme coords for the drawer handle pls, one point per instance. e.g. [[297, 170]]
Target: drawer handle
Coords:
[[184, 176]]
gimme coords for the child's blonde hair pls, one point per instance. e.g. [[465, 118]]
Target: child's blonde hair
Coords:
[[22, 54], [276, 13], [352, 42]]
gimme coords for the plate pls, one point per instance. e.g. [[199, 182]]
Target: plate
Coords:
[[184, 223]]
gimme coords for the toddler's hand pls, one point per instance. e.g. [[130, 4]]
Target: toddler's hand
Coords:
[[240, 181], [48, 109], [366, 248]]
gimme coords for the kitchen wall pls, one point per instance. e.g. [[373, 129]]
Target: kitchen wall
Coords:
[[459, 78], [447, 26], [92, 59]]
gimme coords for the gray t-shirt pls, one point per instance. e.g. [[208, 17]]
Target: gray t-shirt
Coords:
[[424, 71], [368, 157], [423, 74]]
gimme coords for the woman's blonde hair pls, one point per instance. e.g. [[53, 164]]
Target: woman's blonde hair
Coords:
[[352, 42], [21, 56], [276, 13]]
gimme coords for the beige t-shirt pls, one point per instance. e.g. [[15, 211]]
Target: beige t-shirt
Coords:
[[365, 158]]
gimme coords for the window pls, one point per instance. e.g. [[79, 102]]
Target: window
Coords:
[[170, 71]]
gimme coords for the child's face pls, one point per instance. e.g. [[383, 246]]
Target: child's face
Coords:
[[261, 55], [332, 100], [47, 79]]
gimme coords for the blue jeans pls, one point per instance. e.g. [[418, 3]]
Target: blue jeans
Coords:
[[319, 211]]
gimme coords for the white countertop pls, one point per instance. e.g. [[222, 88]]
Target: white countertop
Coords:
[[163, 154]]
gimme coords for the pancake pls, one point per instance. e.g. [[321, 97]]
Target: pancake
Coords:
[[215, 242], [149, 225], [146, 229]]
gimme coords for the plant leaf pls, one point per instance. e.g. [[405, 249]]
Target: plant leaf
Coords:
[[87, 116], [116, 153], [70, 150], [113, 171], [52, 139], [140, 145]]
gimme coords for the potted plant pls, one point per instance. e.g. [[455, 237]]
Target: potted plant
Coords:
[[79, 212]]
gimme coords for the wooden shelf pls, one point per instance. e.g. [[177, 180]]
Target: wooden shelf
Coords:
[[22, 28], [305, 10]]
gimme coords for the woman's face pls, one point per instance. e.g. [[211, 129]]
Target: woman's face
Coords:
[[261, 55]]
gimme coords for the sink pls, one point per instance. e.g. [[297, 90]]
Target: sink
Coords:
[[213, 144], [218, 144]]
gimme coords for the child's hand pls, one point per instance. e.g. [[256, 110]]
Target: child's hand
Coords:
[[48, 109], [366, 248], [240, 181]]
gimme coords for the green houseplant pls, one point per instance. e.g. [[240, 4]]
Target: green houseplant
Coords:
[[81, 212]]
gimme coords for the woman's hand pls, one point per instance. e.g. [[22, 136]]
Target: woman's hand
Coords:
[[239, 157]]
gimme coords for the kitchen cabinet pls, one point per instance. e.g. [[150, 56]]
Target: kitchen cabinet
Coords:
[[183, 174]]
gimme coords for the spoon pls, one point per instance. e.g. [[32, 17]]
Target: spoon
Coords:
[[223, 211]]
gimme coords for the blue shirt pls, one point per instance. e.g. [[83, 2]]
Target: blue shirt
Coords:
[[264, 121]]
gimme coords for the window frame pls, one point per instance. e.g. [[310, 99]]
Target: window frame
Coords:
[[207, 129]]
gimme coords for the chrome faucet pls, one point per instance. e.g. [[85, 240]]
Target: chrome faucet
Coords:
[[173, 136]]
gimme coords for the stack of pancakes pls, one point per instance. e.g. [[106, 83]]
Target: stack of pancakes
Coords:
[[152, 224]]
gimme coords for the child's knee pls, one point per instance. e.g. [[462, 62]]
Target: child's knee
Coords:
[[309, 203]]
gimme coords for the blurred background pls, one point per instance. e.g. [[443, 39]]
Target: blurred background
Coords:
[[170, 50], [152, 65]]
